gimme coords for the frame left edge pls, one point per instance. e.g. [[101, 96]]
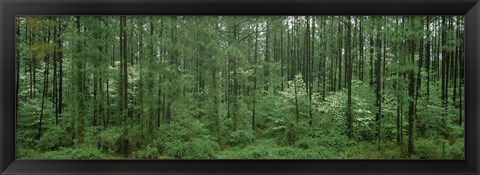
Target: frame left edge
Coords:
[[7, 109]]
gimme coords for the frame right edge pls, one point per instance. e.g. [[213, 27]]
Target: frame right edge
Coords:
[[472, 78], [2, 139]]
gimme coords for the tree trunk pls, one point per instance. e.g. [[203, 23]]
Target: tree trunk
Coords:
[[378, 86], [255, 77], [419, 77], [296, 99], [362, 57], [125, 70], [215, 102], [411, 109], [55, 55], [349, 80], [371, 60], [60, 72], [45, 88], [444, 67], [340, 46], [427, 57]]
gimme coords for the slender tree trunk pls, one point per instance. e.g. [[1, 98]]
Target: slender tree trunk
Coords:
[[267, 57], [33, 69], [437, 58], [55, 55], [125, 70], [419, 77], [310, 64], [215, 102], [461, 78], [282, 58], [45, 85], [378, 87], [371, 60], [455, 63], [362, 57], [340, 46], [461, 107], [324, 57], [255, 77], [411, 108], [107, 112], [124, 67], [296, 99], [398, 89], [60, 71], [384, 55], [427, 57], [349, 80], [444, 67], [45, 88]]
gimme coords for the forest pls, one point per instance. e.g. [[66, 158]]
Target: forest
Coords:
[[240, 87]]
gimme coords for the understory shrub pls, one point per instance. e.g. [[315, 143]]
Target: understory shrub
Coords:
[[149, 152], [81, 152], [194, 149], [87, 152], [108, 139], [241, 138], [457, 149], [53, 138], [429, 149]]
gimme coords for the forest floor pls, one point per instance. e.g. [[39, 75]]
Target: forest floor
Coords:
[[268, 148]]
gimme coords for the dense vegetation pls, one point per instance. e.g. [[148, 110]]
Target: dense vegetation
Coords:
[[219, 87]]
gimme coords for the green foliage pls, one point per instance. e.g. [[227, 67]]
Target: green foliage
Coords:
[[182, 130], [430, 149], [184, 87], [259, 149], [457, 149], [87, 152], [392, 153], [334, 107], [241, 138], [268, 149], [80, 152], [193, 149], [362, 150], [108, 139], [287, 131], [335, 141], [54, 138], [241, 114], [136, 138], [175, 139], [28, 121], [27, 152], [149, 152], [296, 93], [268, 110], [91, 135]]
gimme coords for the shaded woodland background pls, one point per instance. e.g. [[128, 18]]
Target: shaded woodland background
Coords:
[[220, 87]]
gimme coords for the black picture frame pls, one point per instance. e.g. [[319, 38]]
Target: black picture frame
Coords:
[[11, 8]]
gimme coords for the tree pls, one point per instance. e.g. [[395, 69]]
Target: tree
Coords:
[[378, 83], [349, 79], [411, 85], [124, 68]]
